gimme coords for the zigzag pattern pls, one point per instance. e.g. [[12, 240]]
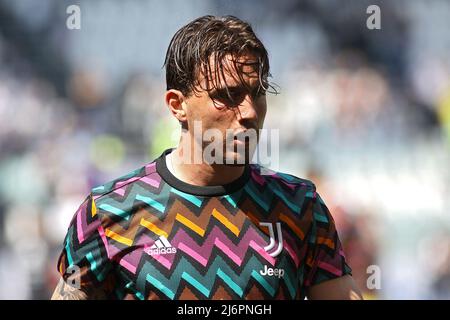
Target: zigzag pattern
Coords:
[[217, 239], [219, 242], [198, 224], [203, 283]]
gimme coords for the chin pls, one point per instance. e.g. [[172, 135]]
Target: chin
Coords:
[[239, 160]]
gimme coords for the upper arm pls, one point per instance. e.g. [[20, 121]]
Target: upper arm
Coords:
[[327, 273], [342, 288], [84, 264], [65, 291]]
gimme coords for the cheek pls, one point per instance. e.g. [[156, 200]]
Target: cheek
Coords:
[[203, 109], [262, 110]]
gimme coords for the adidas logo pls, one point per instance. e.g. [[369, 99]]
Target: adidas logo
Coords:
[[161, 246]]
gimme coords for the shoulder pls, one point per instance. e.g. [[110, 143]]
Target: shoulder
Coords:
[[282, 179], [118, 184]]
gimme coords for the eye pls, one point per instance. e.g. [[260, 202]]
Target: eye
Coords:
[[222, 98]]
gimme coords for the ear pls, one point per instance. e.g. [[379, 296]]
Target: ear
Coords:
[[175, 101]]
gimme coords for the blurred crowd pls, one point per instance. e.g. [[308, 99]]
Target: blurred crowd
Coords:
[[364, 114]]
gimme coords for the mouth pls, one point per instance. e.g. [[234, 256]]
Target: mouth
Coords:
[[241, 142], [240, 135]]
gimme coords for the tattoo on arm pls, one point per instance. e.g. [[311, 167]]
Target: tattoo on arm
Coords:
[[65, 291]]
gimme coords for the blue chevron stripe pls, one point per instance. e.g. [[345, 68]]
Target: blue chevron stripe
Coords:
[[263, 282], [69, 255], [286, 176], [153, 203], [99, 188], [189, 197], [309, 194], [230, 282], [186, 276], [230, 200], [129, 285], [91, 260], [160, 287], [289, 284], [119, 212], [204, 283], [280, 194], [320, 217], [100, 275], [256, 198]]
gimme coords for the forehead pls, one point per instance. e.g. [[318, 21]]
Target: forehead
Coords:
[[230, 71]]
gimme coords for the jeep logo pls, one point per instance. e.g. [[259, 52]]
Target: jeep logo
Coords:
[[272, 272]]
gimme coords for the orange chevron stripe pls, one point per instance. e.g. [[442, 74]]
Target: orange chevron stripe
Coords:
[[328, 242], [61, 263], [292, 225], [118, 237], [188, 223], [133, 224], [216, 214], [204, 219], [93, 208], [150, 226]]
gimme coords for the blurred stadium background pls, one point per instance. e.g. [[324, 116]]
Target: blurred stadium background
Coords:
[[363, 113]]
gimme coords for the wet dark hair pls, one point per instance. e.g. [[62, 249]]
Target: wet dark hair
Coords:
[[203, 44]]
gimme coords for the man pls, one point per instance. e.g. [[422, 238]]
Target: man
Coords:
[[218, 227]]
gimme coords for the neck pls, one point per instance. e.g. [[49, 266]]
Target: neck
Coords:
[[200, 173]]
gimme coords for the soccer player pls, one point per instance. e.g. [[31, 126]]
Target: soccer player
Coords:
[[180, 228]]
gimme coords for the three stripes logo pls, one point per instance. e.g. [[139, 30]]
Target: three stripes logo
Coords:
[[161, 246], [272, 238]]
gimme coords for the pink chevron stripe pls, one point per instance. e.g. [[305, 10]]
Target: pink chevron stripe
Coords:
[[329, 268], [97, 196], [114, 251], [262, 252], [161, 259], [84, 230], [259, 179], [120, 191], [192, 253], [105, 242], [291, 253], [79, 224], [121, 183], [183, 241], [152, 181], [127, 265], [251, 238], [227, 251], [291, 247], [150, 168], [131, 260], [217, 238], [291, 185]]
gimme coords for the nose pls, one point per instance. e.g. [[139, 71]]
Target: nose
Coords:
[[247, 110]]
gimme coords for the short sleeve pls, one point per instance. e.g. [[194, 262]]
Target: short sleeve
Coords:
[[84, 259], [325, 255]]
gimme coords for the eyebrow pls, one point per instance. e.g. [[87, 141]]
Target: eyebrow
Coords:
[[236, 87]]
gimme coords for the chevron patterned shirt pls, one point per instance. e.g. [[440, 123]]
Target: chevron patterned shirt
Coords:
[[148, 235]]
